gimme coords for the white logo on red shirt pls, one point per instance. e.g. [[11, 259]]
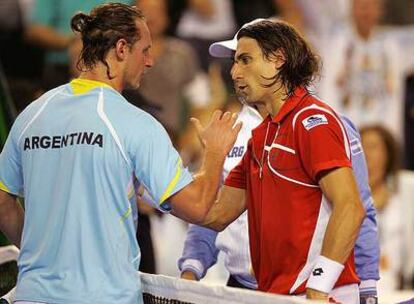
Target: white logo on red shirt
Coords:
[[314, 120]]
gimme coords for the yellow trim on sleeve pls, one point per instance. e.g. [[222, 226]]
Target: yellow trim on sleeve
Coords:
[[131, 192], [82, 86], [4, 188], [172, 184], [126, 214]]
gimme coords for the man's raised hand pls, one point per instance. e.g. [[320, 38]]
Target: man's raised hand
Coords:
[[221, 132]]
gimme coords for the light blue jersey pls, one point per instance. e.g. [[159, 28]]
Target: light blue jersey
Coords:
[[72, 155]]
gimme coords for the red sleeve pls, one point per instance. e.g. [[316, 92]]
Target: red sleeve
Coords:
[[322, 141], [237, 176]]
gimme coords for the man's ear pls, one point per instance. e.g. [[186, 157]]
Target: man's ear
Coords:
[[121, 49], [279, 58]]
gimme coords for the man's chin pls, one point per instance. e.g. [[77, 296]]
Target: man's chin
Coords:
[[245, 99]]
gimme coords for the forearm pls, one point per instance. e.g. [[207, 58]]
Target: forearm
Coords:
[[340, 189], [11, 220], [342, 231], [340, 236], [202, 192], [47, 38]]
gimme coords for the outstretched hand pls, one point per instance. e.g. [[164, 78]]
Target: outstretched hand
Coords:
[[221, 132]]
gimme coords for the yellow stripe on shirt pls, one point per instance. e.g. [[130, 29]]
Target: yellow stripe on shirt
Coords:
[[82, 86], [4, 188], [172, 184], [126, 214]]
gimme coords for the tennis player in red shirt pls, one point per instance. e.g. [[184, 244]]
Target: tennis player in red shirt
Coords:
[[295, 179]]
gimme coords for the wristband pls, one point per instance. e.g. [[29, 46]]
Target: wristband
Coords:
[[325, 274], [193, 265]]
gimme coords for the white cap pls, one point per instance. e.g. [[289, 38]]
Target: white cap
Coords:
[[223, 49]]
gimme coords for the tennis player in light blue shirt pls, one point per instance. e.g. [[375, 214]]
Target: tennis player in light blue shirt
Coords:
[[73, 154], [73, 157]]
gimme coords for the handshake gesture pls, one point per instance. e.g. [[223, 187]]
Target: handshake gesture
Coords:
[[220, 134]]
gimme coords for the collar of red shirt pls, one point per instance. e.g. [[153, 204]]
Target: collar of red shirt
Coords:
[[290, 104], [260, 132]]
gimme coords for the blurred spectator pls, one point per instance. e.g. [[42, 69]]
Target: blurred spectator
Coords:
[[205, 21], [49, 28], [22, 63], [288, 10], [382, 154], [406, 192], [362, 77], [399, 12], [324, 17], [175, 11]]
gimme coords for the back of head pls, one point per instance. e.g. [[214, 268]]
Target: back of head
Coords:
[[102, 28], [301, 64]]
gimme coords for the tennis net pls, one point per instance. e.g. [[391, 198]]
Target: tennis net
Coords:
[[159, 289]]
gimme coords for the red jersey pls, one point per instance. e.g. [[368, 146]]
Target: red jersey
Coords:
[[288, 213]]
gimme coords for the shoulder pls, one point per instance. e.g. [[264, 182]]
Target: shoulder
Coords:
[[128, 118], [36, 107], [312, 112]]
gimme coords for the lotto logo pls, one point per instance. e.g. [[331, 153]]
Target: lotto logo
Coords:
[[317, 272]]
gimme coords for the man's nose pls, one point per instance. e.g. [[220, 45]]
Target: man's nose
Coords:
[[234, 71], [149, 61]]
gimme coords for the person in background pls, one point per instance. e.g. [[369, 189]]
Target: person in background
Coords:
[[393, 190], [49, 28], [205, 21], [363, 73]]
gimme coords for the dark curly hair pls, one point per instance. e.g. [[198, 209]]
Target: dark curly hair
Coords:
[[101, 29], [302, 65]]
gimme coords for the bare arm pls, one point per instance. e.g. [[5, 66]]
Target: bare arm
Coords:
[[340, 188], [228, 207], [193, 202], [11, 217]]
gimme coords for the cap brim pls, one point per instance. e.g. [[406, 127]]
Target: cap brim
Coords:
[[223, 49]]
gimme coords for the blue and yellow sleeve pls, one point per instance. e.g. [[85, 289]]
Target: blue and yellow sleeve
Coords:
[[159, 166], [11, 176]]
